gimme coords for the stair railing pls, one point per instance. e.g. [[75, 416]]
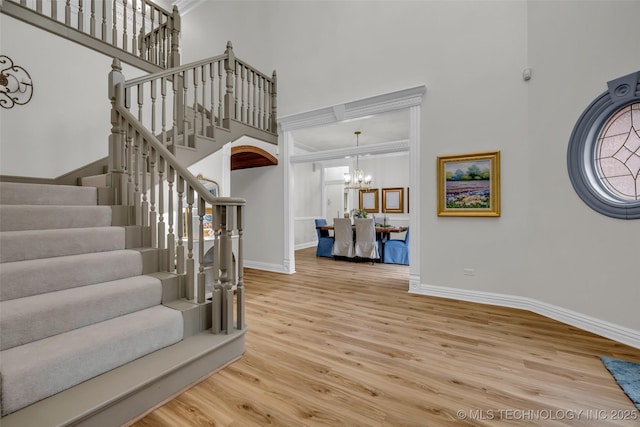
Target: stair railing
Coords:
[[139, 27], [194, 100], [140, 165]]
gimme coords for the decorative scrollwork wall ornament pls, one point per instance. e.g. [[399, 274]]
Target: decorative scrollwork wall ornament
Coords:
[[16, 86]]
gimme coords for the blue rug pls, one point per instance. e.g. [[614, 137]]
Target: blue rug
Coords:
[[627, 375]]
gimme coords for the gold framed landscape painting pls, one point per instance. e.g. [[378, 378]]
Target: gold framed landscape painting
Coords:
[[469, 184]]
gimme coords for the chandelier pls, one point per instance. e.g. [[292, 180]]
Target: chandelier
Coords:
[[358, 179]]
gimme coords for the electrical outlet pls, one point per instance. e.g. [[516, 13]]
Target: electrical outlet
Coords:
[[469, 272]]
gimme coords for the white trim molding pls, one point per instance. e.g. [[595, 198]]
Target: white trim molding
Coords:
[[341, 153], [289, 262], [410, 99], [415, 183], [306, 245], [392, 101], [605, 329], [275, 268]]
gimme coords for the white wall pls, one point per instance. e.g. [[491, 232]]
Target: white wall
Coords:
[[70, 104], [387, 170], [213, 167], [307, 197], [547, 244], [264, 223], [578, 258], [471, 55]]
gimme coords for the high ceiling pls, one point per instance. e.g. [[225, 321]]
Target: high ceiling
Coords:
[[387, 127]]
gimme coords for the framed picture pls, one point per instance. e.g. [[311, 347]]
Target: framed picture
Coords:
[[210, 185], [469, 184], [393, 200], [207, 221], [369, 200]]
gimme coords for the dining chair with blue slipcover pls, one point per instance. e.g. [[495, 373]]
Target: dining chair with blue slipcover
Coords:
[[397, 251], [325, 242]]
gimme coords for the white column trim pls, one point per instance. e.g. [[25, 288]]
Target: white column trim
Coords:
[[414, 196], [289, 262]]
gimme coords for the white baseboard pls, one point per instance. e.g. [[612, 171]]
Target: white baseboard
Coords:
[[605, 329], [275, 268], [305, 245]]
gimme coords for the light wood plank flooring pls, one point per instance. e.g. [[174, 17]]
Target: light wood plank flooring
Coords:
[[345, 344]]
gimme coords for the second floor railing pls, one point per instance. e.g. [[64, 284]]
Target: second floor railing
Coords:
[[139, 27], [194, 99]]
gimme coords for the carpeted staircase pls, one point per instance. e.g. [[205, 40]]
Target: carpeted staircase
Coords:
[[74, 302]]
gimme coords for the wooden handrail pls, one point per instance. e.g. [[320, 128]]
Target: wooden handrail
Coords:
[[106, 29], [173, 71], [173, 162], [192, 100], [186, 102], [140, 166]]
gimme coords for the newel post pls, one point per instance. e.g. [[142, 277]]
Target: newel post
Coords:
[[175, 38], [116, 138], [229, 99]]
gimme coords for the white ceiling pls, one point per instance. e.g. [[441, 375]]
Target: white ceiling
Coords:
[[387, 127]]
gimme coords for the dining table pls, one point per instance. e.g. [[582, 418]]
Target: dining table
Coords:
[[384, 230], [383, 233]]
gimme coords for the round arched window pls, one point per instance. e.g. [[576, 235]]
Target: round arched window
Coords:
[[604, 151], [617, 153]]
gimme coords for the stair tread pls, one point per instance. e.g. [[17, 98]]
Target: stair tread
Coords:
[[74, 305], [40, 316], [81, 354]]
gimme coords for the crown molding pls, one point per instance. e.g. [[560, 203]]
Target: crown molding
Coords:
[[378, 104], [341, 153]]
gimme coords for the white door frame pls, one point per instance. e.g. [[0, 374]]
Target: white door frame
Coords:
[[410, 99]]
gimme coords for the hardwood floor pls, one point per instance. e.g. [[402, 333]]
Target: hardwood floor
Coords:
[[345, 344]]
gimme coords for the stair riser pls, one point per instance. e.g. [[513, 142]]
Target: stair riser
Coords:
[[26, 245], [95, 181], [12, 193], [172, 286], [35, 217]]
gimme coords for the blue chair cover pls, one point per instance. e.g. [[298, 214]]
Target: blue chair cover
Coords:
[[325, 242], [397, 251]]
